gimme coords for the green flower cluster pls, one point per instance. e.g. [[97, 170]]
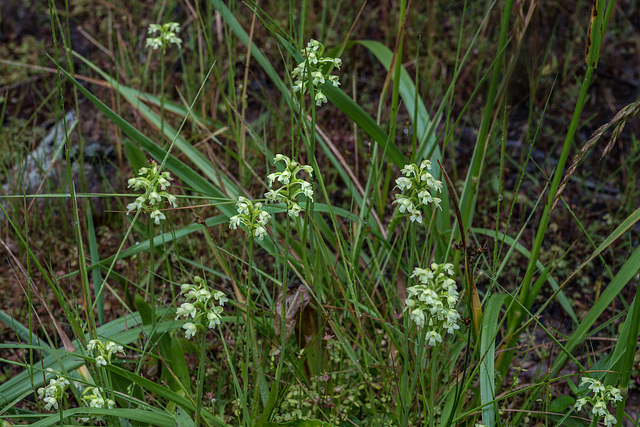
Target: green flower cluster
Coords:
[[104, 352], [92, 397], [416, 186], [310, 68], [168, 36], [201, 303], [54, 392], [291, 186], [251, 217], [601, 397], [154, 191], [432, 302]]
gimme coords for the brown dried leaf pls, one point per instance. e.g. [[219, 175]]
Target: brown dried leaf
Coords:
[[297, 300]]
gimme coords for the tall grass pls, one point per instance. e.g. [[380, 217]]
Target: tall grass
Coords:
[[325, 285]]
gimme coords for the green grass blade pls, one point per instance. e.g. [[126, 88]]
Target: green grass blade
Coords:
[[95, 274], [24, 333], [487, 353], [623, 356], [562, 298], [424, 127], [628, 270], [156, 418]]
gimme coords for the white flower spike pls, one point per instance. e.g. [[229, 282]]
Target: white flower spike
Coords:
[[433, 300], [204, 307], [417, 186], [154, 184], [312, 69]]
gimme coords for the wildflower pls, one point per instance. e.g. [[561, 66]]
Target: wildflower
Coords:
[[292, 185], [433, 338], [311, 69], [190, 329], [203, 304], [602, 395], [600, 408], [610, 420], [614, 394], [92, 397], [186, 309], [213, 316], [157, 216], [320, 98], [432, 301], [294, 210], [220, 297], [251, 217], [54, 392], [168, 36], [417, 186], [154, 184], [112, 347], [403, 183], [417, 315], [104, 352], [416, 216]]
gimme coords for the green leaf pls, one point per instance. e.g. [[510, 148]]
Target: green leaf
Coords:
[[561, 403], [144, 309], [156, 418], [96, 277], [183, 419], [487, 353], [134, 154]]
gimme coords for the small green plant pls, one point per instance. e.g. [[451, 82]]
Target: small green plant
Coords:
[[103, 352], [311, 70], [54, 392], [154, 185], [203, 307], [251, 217], [602, 396], [165, 36], [432, 302], [417, 186], [291, 186]]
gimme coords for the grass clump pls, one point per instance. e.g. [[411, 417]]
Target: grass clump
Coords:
[[446, 299]]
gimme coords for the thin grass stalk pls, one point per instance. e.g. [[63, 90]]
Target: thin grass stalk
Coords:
[[469, 193], [200, 381], [283, 312], [152, 269], [253, 344], [597, 24], [78, 234], [236, 382]]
